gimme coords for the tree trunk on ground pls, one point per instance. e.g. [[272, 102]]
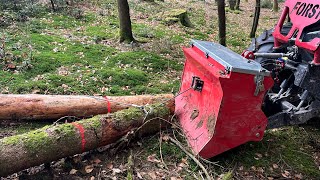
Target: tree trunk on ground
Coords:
[[255, 20], [125, 21], [237, 5], [44, 107], [54, 142], [275, 6], [222, 22]]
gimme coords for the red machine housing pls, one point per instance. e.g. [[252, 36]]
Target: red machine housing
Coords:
[[220, 104], [302, 13]]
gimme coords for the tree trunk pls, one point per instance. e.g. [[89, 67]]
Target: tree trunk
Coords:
[[237, 5], [42, 107], [255, 20], [275, 6], [54, 142], [52, 5], [222, 22], [232, 4], [125, 22]]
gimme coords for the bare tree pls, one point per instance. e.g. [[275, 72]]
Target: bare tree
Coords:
[[125, 21], [256, 19], [222, 22], [237, 5], [52, 5], [275, 6], [232, 4]]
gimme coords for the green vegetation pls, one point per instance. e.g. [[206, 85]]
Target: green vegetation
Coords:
[[31, 140], [64, 53], [289, 149]]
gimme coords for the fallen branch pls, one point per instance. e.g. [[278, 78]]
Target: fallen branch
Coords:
[[192, 157], [57, 141], [42, 107]]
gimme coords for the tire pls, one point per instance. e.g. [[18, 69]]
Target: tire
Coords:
[[264, 43]]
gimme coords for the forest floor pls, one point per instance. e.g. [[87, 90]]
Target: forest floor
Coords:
[[77, 51]]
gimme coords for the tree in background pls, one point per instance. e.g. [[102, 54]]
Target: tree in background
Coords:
[[52, 5], [222, 22], [237, 5], [125, 22], [232, 4], [255, 19], [275, 6]]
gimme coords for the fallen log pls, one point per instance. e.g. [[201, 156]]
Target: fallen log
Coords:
[[43, 107], [58, 141]]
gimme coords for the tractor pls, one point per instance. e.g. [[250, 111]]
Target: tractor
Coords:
[[227, 99]]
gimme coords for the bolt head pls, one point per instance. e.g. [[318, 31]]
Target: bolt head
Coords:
[[257, 134]]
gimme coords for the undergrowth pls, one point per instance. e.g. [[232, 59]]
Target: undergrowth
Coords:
[[57, 53]]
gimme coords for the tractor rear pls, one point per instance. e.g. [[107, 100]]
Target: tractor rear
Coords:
[[229, 99]]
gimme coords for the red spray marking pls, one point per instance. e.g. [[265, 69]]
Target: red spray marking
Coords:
[[108, 104], [81, 130]]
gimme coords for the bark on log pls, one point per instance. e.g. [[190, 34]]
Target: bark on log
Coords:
[[57, 141], [42, 107]]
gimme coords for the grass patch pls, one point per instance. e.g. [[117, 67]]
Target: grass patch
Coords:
[[287, 148]]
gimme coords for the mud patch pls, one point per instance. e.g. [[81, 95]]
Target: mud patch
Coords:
[[211, 124], [194, 114], [200, 123]]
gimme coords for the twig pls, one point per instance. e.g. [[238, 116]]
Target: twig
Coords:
[[149, 120], [209, 162], [160, 149], [201, 175], [192, 157], [130, 166], [285, 162], [65, 118]]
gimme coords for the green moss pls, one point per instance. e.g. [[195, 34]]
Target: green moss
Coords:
[[126, 118], [32, 140], [145, 31], [93, 122], [143, 60], [159, 109], [65, 130], [128, 114], [12, 140], [37, 139], [100, 32]]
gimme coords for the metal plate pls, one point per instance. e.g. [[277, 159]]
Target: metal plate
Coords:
[[225, 113], [229, 59]]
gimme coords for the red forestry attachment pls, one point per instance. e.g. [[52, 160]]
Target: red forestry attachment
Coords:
[[222, 94]]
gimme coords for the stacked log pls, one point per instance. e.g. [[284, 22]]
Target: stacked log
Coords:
[[43, 107], [54, 142]]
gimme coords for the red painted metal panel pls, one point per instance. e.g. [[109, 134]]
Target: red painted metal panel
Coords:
[[225, 113]]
